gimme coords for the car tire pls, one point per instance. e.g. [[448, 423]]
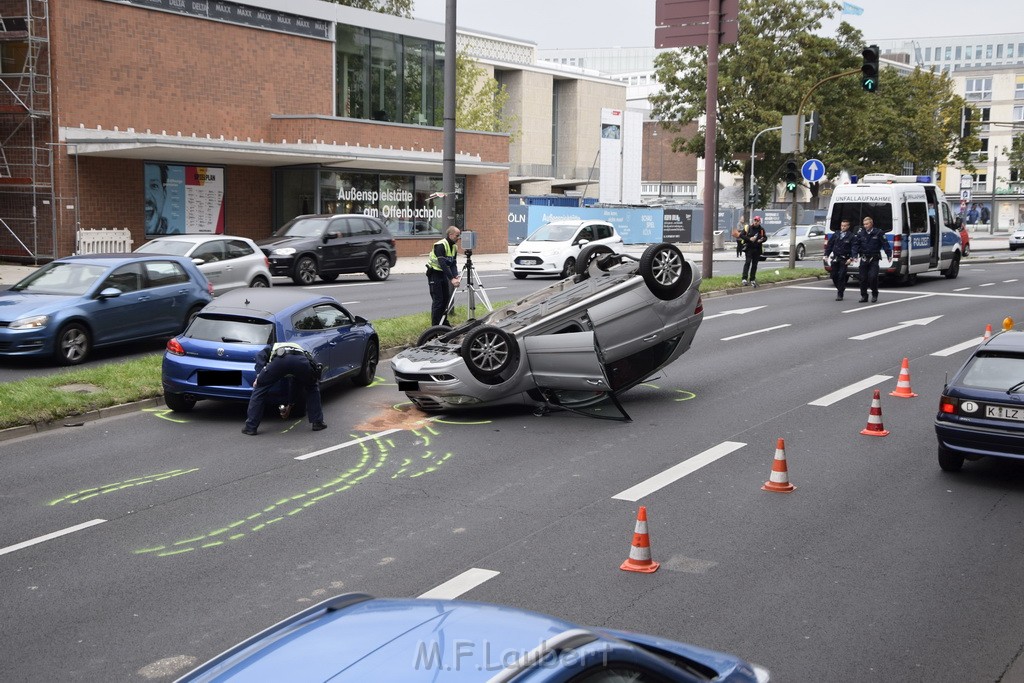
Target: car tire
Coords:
[[801, 252], [305, 271], [519, 276], [954, 268], [380, 267], [587, 256], [192, 313], [179, 403], [369, 368], [259, 281], [950, 461], [489, 351], [665, 271], [569, 268], [73, 344], [328, 277], [432, 333], [1013, 247]]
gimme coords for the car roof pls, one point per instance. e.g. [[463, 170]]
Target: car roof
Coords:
[[108, 260], [263, 301], [1008, 340], [197, 239]]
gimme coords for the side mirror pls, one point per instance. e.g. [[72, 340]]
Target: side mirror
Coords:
[[330, 235], [110, 293], [958, 222], [198, 261], [582, 242], [360, 320]]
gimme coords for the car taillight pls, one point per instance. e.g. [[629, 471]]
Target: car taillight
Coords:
[[947, 405], [266, 261], [700, 305], [209, 288], [897, 246], [175, 347]]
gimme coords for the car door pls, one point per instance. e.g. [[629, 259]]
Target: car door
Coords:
[[236, 264], [345, 345], [569, 361], [359, 245], [334, 256], [125, 316], [169, 291], [815, 243], [213, 265], [604, 234]]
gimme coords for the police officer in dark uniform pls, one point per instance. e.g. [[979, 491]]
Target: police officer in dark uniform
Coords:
[[286, 359], [867, 245], [839, 247], [443, 273]]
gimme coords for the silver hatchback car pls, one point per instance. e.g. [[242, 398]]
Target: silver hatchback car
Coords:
[[227, 262], [810, 241], [575, 344]]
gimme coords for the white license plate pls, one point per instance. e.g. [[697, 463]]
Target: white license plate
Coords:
[[1004, 413], [530, 261]]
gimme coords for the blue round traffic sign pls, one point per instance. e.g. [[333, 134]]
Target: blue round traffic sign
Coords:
[[812, 170]]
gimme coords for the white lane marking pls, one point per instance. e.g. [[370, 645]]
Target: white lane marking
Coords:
[[747, 334], [340, 284], [1006, 282], [738, 311], [50, 536], [850, 390], [353, 442], [961, 289], [988, 284], [949, 351], [863, 308], [677, 472], [896, 328], [464, 582]]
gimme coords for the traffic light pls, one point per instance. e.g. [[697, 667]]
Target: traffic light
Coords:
[[814, 126], [965, 122], [869, 71], [792, 175]]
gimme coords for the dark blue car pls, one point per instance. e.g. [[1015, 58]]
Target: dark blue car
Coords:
[[358, 638], [215, 357], [72, 305], [981, 412]]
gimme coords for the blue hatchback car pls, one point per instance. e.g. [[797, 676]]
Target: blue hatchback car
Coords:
[[356, 637], [215, 357], [981, 412], [72, 305]]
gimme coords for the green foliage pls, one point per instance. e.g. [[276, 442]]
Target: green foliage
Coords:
[[777, 61], [480, 100], [399, 8]]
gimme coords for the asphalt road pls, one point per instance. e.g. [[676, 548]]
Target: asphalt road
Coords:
[[879, 567]]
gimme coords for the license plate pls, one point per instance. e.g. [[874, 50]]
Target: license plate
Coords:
[[408, 386], [1005, 413], [529, 261], [219, 378]]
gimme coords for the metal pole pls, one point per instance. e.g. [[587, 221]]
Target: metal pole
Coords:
[[995, 180], [448, 161], [710, 135], [753, 178]]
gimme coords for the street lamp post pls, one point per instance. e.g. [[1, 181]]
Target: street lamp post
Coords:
[[661, 160]]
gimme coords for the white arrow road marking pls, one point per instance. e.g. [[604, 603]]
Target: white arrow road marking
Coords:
[[896, 328], [887, 303], [50, 536], [949, 351], [738, 311], [747, 334], [840, 394], [677, 472], [466, 581]]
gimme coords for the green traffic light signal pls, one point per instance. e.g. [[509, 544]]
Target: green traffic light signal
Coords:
[[792, 175], [869, 71]]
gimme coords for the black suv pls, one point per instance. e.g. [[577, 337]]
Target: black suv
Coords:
[[330, 245]]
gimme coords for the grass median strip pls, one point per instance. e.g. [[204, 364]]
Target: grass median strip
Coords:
[[44, 399]]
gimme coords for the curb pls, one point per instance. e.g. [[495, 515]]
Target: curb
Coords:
[[78, 420]]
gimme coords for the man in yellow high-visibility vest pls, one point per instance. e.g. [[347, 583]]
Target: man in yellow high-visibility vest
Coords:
[[443, 273]]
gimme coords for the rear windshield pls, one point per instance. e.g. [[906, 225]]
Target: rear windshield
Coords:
[[994, 372], [855, 212], [231, 330]]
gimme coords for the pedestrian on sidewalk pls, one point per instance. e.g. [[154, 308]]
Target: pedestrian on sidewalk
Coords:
[[752, 237], [839, 249]]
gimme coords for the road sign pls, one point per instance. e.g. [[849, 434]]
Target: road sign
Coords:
[[966, 182], [965, 195], [812, 170]]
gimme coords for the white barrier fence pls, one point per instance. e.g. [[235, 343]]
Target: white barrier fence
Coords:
[[103, 241]]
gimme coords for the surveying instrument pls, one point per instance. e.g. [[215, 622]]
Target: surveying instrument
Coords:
[[469, 283]]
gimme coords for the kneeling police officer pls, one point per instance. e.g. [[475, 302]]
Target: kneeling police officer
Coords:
[[285, 359]]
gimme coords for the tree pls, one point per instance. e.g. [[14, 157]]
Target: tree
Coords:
[[399, 8], [777, 61], [480, 100]]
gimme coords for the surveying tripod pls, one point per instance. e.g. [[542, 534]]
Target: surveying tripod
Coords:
[[471, 284]]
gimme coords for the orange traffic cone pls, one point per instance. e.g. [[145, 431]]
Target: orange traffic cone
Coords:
[[640, 552], [874, 426], [779, 479], [903, 389], [988, 332]]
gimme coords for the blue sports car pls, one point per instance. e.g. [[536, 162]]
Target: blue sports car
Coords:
[[72, 305], [215, 356], [356, 637]]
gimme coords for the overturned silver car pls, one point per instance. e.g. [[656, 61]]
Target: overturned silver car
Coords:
[[575, 344]]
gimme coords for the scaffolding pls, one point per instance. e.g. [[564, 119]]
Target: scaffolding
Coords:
[[27, 206]]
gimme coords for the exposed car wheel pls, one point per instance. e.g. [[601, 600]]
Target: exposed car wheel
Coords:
[[801, 252], [305, 271], [488, 351], [519, 276], [950, 461], [369, 369], [665, 271], [73, 344], [380, 267], [259, 281], [569, 268], [192, 313], [179, 403], [432, 333], [954, 268], [330, 277], [587, 256]]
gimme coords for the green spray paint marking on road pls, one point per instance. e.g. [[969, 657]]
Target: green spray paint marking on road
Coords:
[[164, 414], [86, 494], [687, 395]]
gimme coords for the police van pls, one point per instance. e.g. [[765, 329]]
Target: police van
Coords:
[[922, 229]]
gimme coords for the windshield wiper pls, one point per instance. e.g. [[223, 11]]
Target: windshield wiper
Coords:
[[1015, 387]]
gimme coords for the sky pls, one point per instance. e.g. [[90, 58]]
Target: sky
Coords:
[[630, 23]]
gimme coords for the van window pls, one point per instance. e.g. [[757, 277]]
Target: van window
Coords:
[[856, 211], [917, 217]]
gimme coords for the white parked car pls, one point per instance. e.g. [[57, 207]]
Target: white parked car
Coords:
[[1017, 239], [552, 249], [227, 262]]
